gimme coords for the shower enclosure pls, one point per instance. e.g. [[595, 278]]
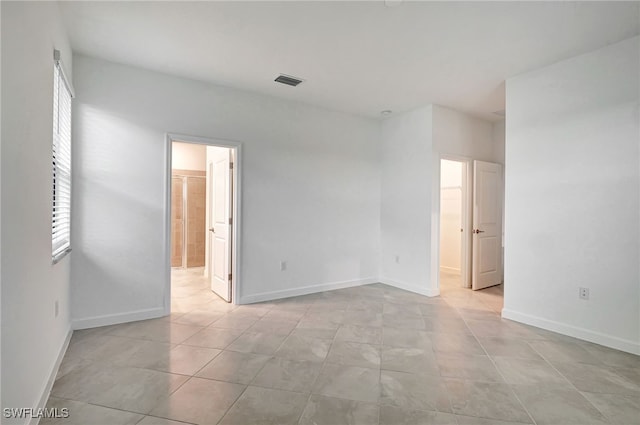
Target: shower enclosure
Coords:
[[188, 208]]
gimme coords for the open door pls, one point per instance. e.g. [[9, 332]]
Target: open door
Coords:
[[220, 167], [487, 225]]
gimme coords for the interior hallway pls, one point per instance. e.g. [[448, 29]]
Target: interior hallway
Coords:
[[366, 355]]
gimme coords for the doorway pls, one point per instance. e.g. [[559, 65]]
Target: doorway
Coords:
[[454, 244], [470, 224], [202, 218]]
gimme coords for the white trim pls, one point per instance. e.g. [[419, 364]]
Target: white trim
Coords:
[[574, 331], [236, 227], [429, 292], [304, 290], [44, 397], [434, 267], [447, 269], [117, 318]]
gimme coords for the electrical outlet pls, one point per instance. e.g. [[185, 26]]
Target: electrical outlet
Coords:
[[56, 308], [398, 259], [283, 266], [584, 293]]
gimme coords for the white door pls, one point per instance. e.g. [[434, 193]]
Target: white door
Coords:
[[220, 222], [487, 225]]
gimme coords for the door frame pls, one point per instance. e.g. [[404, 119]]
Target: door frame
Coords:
[[236, 261], [467, 193]]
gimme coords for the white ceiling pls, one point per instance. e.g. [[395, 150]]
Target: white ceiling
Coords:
[[358, 57]]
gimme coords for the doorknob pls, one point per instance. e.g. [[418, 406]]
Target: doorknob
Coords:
[[478, 231], [212, 230]]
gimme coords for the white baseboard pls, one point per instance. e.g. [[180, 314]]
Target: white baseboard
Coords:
[[574, 331], [449, 269], [114, 319], [409, 287], [44, 397], [305, 290]]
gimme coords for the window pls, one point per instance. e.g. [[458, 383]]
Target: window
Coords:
[[61, 216]]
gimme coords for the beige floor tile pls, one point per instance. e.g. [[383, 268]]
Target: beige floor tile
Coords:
[[321, 343], [185, 360], [447, 325], [354, 354], [199, 401], [156, 330], [631, 374], [258, 342], [455, 343], [401, 309], [392, 337], [502, 329], [198, 317], [558, 351], [554, 406], [234, 321], [125, 388], [267, 407], [213, 338], [505, 347], [597, 379], [411, 391], [412, 360], [403, 321], [618, 409], [486, 400], [302, 348], [390, 415], [154, 420], [529, 372], [320, 333], [307, 323], [232, 366], [143, 353], [79, 413], [364, 317], [472, 420], [348, 382], [362, 334], [470, 367], [612, 357], [286, 374], [322, 410], [100, 347], [276, 326]]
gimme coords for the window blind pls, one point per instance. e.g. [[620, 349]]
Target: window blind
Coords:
[[61, 217]]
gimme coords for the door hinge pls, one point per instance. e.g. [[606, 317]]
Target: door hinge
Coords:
[[230, 276], [230, 220], [231, 165]]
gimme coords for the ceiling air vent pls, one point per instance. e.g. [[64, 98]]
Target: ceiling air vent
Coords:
[[288, 80]]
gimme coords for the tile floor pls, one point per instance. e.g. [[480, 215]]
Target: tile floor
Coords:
[[365, 355]]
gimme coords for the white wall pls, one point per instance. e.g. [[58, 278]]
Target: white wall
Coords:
[[498, 141], [188, 156], [572, 196], [32, 337], [499, 147], [406, 164], [459, 134], [310, 191], [450, 215]]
